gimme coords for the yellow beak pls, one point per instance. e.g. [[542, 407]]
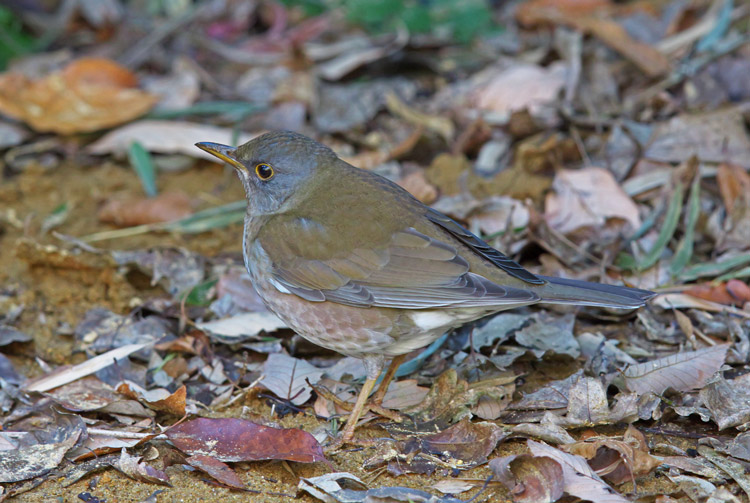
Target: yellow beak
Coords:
[[223, 152]]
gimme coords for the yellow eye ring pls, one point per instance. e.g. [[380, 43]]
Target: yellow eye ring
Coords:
[[264, 171]]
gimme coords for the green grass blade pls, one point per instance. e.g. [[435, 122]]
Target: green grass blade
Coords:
[[667, 230], [713, 269], [140, 159], [236, 109], [684, 251], [740, 273], [211, 218]]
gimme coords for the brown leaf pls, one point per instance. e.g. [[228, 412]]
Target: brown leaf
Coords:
[[717, 136], [157, 399], [521, 86], [731, 293], [535, 12], [574, 14], [229, 439], [417, 185], [579, 479], [288, 377], [530, 479], [588, 197], [133, 467], [734, 183], [468, 442], [681, 371], [165, 207], [88, 95], [617, 460], [166, 137], [216, 469]]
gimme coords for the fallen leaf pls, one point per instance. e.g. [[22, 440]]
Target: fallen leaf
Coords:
[[437, 123], [521, 86], [216, 469], [734, 183], [732, 293], [133, 467], [580, 15], [728, 400], [346, 488], [461, 446], [232, 440], [166, 137], [70, 374], [157, 399], [417, 185], [29, 462], [177, 270], [618, 461], [288, 377], [587, 197], [717, 136], [165, 207], [243, 327], [88, 95], [530, 479], [579, 479], [684, 371], [9, 335]]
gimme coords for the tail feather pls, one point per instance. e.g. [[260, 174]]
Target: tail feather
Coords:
[[584, 293]]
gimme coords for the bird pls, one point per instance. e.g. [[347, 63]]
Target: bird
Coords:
[[354, 263]]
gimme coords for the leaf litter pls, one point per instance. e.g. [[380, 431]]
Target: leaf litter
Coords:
[[593, 140]]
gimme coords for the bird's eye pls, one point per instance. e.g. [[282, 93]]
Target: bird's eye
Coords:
[[264, 171]]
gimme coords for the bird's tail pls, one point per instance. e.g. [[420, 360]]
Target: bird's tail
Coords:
[[572, 291]]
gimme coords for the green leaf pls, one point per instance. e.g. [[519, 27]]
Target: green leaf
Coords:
[[201, 294], [684, 251], [57, 217], [667, 230], [712, 269], [740, 273], [14, 41], [140, 159], [212, 218], [235, 109]]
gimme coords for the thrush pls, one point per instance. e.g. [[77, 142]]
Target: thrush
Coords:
[[354, 263]]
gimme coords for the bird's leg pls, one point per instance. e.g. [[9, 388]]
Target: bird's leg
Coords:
[[359, 407], [377, 398], [373, 366]]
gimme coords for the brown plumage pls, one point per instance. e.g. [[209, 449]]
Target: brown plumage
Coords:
[[354, 263]]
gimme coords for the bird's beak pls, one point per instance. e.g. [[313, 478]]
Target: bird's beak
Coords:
[[223, 152]]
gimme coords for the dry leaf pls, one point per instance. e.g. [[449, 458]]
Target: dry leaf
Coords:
[[216, 469], [617, 460], [530, 479], [578, 15], [588, 197], [88, 95], [165, 207], [232, 440], [166, 137], [732, 293], [521, 86], [717, 136], [681, 371], [157, 399], [579, 479], [288, 377], [734, 183]]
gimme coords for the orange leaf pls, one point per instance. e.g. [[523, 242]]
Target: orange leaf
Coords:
[[86, 96]]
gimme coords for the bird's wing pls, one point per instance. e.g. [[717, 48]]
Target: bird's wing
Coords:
[[400, 269], [481, 248]]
